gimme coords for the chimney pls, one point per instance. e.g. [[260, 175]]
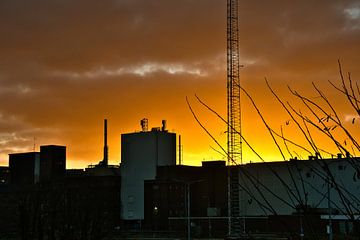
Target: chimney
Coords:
[[179, 149], [144, 124], [105, 161], [163, 128]]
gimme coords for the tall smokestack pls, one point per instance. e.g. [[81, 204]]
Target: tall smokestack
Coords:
[[105, 161], [179, 149], [163, 128]]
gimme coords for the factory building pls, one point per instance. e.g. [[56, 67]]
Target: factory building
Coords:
[[24, 168], [316, 188], [293, 197], [40, 199], [52, 163], [35, 167], [181, 190], [141, 153], [148, 188]]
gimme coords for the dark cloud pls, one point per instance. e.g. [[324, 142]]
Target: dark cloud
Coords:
[[64, 65], [68, 35]]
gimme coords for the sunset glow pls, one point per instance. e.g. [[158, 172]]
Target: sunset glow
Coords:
[[65, 66]]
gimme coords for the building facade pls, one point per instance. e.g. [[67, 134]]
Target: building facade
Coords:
[[52, 163], [38, 167], [24, 168], [314, 189], [141, 154], [292, 197]]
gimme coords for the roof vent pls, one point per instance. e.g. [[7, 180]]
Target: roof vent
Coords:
[[144, 124], [163, 128]]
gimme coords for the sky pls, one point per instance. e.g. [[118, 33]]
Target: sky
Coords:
[[66, 65]]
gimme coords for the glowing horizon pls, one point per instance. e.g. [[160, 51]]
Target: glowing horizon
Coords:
[[66, 66]]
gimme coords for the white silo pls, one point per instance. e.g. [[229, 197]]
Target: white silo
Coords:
[[141, 153]]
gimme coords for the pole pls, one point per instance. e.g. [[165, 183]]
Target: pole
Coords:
[[301, 227], [188, 210], [329, 208], [229, 200]]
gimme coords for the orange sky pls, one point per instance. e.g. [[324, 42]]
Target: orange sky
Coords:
[[66, 65]]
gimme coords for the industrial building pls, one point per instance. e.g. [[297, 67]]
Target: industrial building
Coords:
[[24, 168], [35, 167], [141, 153], [149, 191], [52, 163], [181, 191], [293, 197], [325, 188], [40, 199]]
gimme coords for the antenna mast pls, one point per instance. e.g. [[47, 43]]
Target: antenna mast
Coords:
[[34, 146], [234, 141], [233, 85]]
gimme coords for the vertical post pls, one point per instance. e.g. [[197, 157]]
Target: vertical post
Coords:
[[301, 227], [229, 200], [208, 200], [210, 235], [329, 208], [188, 211]]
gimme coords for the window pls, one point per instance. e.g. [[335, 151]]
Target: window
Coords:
[[130, 213]]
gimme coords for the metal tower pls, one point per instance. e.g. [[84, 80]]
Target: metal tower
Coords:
[[234, 142], [233, 84]]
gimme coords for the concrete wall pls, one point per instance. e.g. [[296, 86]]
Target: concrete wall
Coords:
[[284, 185], [141, 153]]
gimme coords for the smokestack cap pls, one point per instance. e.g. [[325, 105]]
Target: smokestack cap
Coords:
[[163, 125]]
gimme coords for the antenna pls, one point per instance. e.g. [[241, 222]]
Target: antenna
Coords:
[[34, 146], [234, 142], [234, 138]]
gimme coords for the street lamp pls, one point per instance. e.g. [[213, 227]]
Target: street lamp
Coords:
[[188, 210], [188, 205], [155, 213], [188, 183], [329, 207], [329, 228]]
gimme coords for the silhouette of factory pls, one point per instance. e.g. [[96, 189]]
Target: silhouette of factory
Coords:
[[151, 191]]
